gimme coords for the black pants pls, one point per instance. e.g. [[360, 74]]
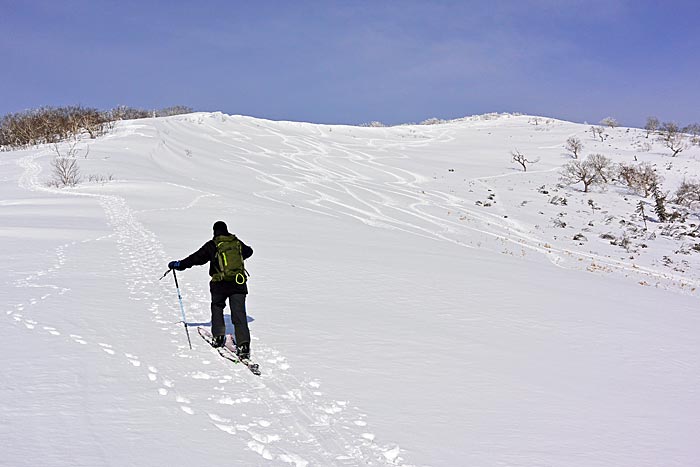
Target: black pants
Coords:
[[239, 318]]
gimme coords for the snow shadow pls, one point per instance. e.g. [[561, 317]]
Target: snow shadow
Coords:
[[227, 320]]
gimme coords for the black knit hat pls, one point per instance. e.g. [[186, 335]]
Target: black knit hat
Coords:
[[220, 228]]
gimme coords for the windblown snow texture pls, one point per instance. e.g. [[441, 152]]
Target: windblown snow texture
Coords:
[[415, 299]]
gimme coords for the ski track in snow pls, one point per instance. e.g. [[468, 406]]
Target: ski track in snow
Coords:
[[278, 412], [364, 188], [329, 431]]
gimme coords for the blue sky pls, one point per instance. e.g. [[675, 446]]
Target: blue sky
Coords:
[[357, 61]]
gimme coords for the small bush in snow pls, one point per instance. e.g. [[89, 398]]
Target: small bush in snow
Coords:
[[98, 178], [558, 201], [688, 193], [66, 172]]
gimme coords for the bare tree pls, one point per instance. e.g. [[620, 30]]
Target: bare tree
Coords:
[[580, 171], [574, 146], [522, 160], [672, 138], [597, 132], [609, 122], [652, 125], [602, 165]]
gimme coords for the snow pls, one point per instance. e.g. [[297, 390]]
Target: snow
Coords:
[[396, 320]]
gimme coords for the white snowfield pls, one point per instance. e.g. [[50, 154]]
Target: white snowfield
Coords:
[[415, 300]]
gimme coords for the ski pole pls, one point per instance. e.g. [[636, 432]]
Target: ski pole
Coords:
[[182, 307]]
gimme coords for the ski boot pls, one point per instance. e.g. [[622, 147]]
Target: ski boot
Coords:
[[218, 341], [243, 351]]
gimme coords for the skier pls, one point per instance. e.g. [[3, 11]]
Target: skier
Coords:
[[225, 254]]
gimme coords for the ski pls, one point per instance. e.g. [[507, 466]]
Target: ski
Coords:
[[228, 351]]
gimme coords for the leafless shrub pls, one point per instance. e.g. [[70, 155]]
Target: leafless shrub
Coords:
[[693, 129], [98, 178], [72, 152], [558, 200], [574, 146], [556, 222], [688, 193], [645, 146], [433, 121], [53, 124], [624, 241], [124, 112], [50, 125], [672, 138], [627, 173], [174, 110], [66, 172], [640, 178]]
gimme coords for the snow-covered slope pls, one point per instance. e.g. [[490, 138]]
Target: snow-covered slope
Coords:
[[415, 300]]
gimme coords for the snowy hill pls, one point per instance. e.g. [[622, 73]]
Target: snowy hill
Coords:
[[416, 299]]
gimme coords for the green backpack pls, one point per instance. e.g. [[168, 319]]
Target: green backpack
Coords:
[[229, 260]]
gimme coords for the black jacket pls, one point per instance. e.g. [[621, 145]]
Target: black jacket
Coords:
[[207, 253]]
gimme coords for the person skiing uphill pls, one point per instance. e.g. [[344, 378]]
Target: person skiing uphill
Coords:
[[225, 254]]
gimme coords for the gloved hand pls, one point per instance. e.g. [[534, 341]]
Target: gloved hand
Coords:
[[174, 265]]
